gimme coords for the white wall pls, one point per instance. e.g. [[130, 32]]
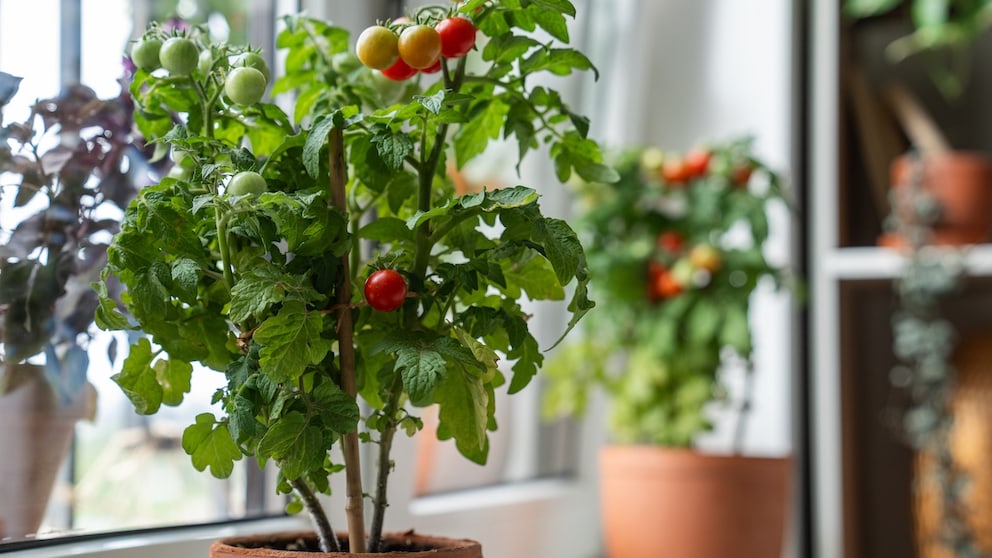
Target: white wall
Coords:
[[709, 70]]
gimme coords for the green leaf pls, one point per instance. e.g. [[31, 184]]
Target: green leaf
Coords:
[[551, 21], [174, 378], [210, 444], [464, 404], [316, 139], [535, 276], [386, 230], [139, 380], [703, 321], [256, 291], [290, 341], [185, 277], [558, 61], [735, 331], [561, 247], [336, 409], [560, 6], [393, 148], [294, 444], [422, 369], [432, 103], [528, 360], [473, 136], [107, 315]]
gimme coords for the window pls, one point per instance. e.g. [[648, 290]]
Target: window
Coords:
[[128, 472], [68, 476]]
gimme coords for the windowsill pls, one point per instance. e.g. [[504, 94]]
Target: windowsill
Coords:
[[166, 543]]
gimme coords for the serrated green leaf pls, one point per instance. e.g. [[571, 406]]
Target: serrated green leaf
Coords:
[[185, 277], [290, 341], [432, 103], [422, 370], [210, 445], [561, 247], [336, 409], [255, 292], [295, 444], [139, 380], [316, 140], [393, 148]]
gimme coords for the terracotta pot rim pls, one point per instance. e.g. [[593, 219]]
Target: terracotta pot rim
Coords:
[[692, 452], [231, 544]]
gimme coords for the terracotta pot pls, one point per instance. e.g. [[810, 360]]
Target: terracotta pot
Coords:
[[661, 502], [405, 545], [35, 435], [961, 181]]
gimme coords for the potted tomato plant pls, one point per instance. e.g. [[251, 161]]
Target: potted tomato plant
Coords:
[[676, 250], [319, 256], [68, 169]]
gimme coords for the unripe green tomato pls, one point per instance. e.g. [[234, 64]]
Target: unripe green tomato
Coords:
[[144, 54], [252, 60], [245, 86], [179, 55], [206, 63], [246, 182]]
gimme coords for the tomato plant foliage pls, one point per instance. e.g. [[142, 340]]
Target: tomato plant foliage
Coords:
[[260, 287]]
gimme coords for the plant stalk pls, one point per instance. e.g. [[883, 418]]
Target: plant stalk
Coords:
[[381, 498], [326, 538], [354, 507]]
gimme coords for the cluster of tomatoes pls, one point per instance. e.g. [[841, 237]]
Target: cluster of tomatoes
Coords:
[[676, 267], [406, 48], [677, 169], [244, 84]]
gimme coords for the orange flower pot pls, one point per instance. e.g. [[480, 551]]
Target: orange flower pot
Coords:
[[661, 502], [961, 182]]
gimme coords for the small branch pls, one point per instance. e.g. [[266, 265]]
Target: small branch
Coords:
[[354, 507], [743, 414], [326, 537]]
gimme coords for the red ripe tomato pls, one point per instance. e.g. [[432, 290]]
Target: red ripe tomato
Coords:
[[666, 285], [433, 69], [674, 170], [670, 241], [741, 174], [698, 162], [457, 36], [385, 290], [399, 71], [420, 46]]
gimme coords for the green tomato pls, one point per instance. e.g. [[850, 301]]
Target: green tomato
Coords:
[[179, 55], [246, 182], [144, 54], [252, 60], [205, 64], [245, 86]]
